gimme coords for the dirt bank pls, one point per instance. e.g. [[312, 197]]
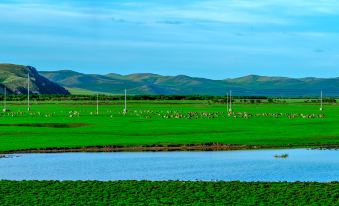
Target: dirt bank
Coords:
[[214, 147]]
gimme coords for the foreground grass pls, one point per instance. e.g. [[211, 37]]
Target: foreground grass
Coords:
[[144, 125], [166, 193]]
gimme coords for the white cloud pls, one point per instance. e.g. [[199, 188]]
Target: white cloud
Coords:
[[296, 7], [243, 12], [271, 33], [224, 11], [148, 13]]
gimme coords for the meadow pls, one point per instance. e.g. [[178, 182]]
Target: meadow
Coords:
[[167, 193], [75, 124]]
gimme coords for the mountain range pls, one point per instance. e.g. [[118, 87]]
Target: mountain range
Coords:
[[14, 78], [146, 83]]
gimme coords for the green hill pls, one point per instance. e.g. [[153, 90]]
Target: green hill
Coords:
[[146, 83], [284, 86], [137, 83], [14, 79]]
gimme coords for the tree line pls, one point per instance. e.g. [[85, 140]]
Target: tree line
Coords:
[[58, 97], [215, 99]]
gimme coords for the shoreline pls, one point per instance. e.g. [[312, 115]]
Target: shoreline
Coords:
[[166, 148]]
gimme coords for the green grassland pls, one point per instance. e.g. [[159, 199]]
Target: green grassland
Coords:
[[78, 91], [165, 123], [167, 193]]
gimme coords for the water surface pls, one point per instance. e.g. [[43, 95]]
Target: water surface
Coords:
[[253, 165]]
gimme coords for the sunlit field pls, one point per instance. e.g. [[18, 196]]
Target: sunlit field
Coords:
[[75, 124]]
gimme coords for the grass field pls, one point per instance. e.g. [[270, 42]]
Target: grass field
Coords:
[[167, 193], [77, 91], [72, 124]]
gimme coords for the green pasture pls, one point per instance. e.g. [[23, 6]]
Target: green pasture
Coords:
[[145, 125], [167, 193]]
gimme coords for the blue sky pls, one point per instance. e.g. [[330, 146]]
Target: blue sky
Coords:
[[214, 39]]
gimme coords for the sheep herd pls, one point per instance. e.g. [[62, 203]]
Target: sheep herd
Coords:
[[167, 114], [149, 114]]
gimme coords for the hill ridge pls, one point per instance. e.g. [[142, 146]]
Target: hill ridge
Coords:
[[154, 84], [14, 78]]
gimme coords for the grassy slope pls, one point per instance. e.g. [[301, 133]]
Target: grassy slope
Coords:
[[134, 130], [14, 77], [167, 193], [77, 91]]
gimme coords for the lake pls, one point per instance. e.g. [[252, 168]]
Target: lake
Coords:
[[244, 165]]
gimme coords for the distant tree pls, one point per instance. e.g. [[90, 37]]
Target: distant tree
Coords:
[[329, 100]]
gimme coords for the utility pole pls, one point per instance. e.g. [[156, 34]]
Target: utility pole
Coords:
[[125, 109], [97, 103], [5, 106], [5, 99], [227, 101], [321, 100], [230, 109], [28, 105]]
